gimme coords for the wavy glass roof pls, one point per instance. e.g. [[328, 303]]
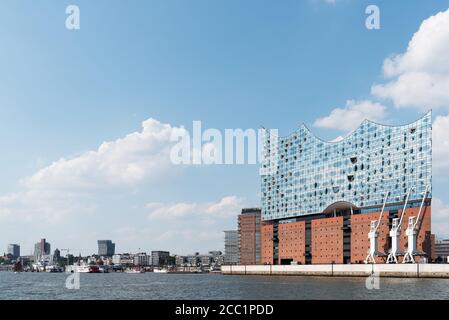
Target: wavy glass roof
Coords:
[[303, 174]]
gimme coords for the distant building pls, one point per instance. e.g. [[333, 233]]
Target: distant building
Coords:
[[142, 259], [42, 248], [249, 236], [26, 260], [193, 260], [206, 260], [217, 257], [107, 261], [442, 248], [116, 259], [231, 247], [180, 260], [56, 256], [213, 258], [14, 250], [106, 248], [219, 260], [70, 259], [123, 259], [159, 258]]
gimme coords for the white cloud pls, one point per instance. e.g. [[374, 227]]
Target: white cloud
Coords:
[[352, 115], [440, 218], [420, 76], [43, 206], [188, 225], [125, 161], [227, 207], [71, 186]]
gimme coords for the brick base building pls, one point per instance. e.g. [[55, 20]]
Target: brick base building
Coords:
[[324, 239]]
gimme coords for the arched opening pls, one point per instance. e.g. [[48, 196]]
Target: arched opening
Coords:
[[340, 208]]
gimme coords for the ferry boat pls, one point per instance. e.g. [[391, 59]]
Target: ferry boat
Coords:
[[53, 269], [83, 269]]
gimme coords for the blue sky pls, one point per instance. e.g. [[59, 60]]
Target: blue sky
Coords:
[[230, 64]]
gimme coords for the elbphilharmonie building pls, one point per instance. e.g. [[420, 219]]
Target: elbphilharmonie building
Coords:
[[319, 198]]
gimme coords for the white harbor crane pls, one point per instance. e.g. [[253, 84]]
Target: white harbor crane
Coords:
[[395, 233], [373, 234], [412, 232]]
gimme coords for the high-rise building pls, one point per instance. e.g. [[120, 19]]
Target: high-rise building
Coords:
[[249, 236], [319, 198], [14, 250], [159, 258], [231, 247], [106, 248], [42, 248], [56, 255]]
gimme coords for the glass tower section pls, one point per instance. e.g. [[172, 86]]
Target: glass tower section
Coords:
[[302, 174]]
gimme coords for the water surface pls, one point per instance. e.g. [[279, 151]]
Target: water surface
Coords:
[[213, 286]]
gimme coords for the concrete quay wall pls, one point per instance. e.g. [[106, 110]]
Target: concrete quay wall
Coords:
[[343, 270]]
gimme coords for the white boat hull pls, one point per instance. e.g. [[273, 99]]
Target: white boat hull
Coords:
[[160, 271]]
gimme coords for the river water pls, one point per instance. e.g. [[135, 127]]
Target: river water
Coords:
[[150, 286]]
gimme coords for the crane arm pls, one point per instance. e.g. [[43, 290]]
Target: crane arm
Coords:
[[405, 206], [422, 204], [382, 212]]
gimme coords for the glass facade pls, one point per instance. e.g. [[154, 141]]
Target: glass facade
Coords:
[[302, 174], [106, 248], [231, 247]]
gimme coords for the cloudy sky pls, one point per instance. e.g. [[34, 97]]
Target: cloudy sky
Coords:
[[86, 116]]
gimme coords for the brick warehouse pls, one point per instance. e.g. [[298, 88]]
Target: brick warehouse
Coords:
[[320, 199], [249, 236]]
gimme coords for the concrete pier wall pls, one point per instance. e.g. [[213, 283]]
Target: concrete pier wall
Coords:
[[344, 270]]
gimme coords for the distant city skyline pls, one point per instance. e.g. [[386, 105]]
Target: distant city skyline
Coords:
[[105, 248], [87, 116]]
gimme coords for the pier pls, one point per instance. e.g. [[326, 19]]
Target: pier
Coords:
[[343, 270]]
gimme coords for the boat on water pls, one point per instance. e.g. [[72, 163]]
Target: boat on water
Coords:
[[160, 270], [83, 269], [134, 271], [53, 269]]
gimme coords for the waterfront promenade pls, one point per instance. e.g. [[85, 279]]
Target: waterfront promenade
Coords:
[[343, 270]]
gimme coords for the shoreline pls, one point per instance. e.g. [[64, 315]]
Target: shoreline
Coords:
[[343, 270]]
